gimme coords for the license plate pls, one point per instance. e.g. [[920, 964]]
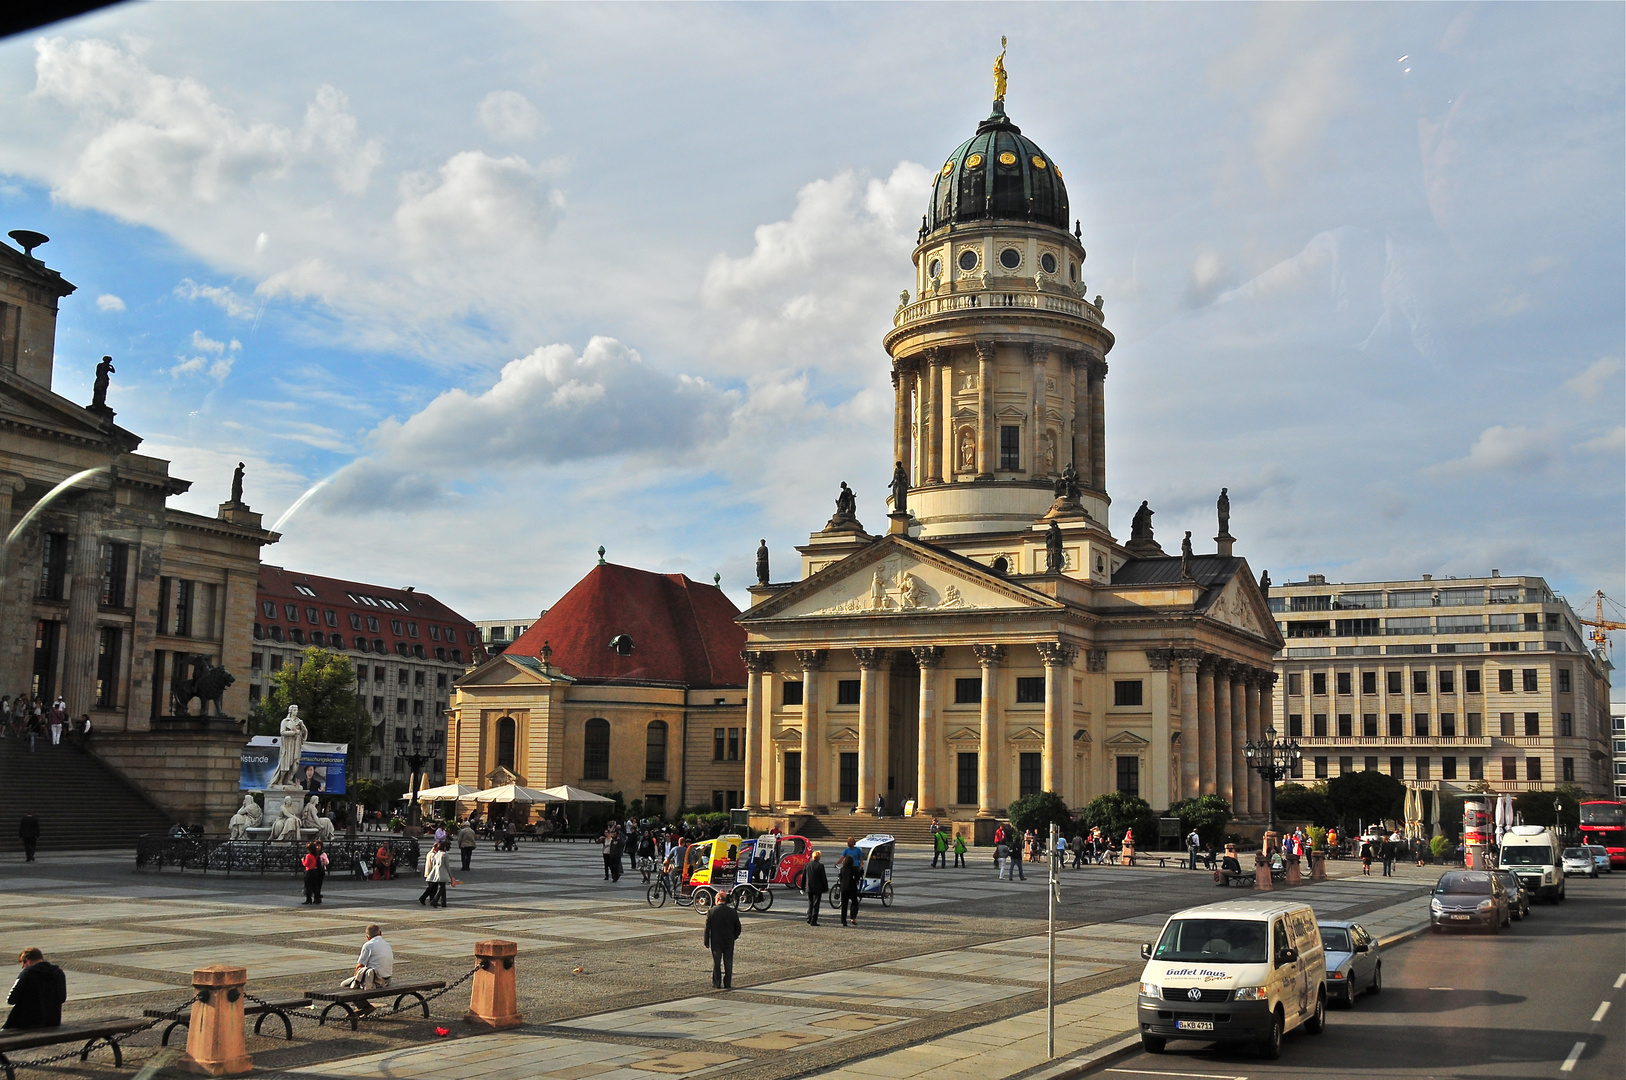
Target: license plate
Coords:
[[1194, 1025], [1464, 918]]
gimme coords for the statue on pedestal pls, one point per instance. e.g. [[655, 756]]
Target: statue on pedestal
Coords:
[[247, 817], [1140, 527], [762, 562], [1185, 557], [1067, 485], [1224, 508], [286, 827], [309, 818], [237, 485], [900, 489], [294, 734], [1054, 560], [1264, 583], [98, 390], [846, 515]]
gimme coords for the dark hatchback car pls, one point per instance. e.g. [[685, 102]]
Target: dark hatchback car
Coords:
[[1518, 897], [1469, 899]]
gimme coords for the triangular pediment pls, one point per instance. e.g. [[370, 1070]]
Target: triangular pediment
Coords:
[[1082, 735], [500, 776], [1027, 735], [1127, 739], [844, 734], [899, 576], [503, 669], [28, 403], [1241, 604], [789, 736], [963, 735]]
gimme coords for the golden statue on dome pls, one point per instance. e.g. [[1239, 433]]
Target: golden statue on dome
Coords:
[[999, 71]]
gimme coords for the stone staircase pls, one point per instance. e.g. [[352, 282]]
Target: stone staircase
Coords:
[[915, 830], [80, 802]]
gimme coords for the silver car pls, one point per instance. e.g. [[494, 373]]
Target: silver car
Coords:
[[1354, 965], [1600, 858], [1580, 861]]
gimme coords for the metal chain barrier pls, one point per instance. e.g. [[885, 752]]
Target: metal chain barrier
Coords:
[[34, 1063]]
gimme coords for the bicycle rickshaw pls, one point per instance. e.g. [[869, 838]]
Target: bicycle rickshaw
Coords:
[[705, 874], [876, 853], [789, 860]]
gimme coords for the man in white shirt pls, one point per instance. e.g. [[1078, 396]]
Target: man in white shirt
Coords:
[[374, 966]]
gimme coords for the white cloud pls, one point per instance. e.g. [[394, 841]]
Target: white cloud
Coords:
[[155, 144], [219, 295], [1505, 449], [1613, 442], [547, 408], [208, 355], [109, 302], [819, 287], [475, 203], [1590, 383], [508, 115], [1290, 122]]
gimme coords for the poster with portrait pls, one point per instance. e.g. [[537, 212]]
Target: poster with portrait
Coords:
[[321, 765]]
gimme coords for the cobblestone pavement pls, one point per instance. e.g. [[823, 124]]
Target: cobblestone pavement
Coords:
[[950, 979]]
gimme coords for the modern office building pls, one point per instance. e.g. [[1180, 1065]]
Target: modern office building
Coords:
[[408, 650], [498, 634], [1443, 683], [1617, 733]]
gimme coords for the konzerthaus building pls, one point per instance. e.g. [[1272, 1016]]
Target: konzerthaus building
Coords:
[[997, 639]]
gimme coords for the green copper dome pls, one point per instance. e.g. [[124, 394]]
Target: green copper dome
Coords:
[[997, 174]]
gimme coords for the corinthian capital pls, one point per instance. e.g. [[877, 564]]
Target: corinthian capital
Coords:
[[757, 662], [811, 659], [928, 656], [1057, 653], [989, 655], [870, 659]]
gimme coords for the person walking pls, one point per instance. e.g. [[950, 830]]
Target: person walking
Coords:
[[58, 718], [817, 883], [1366, 858], [880, 806], [467, 842], [312, 863], [722, 930], [1386, 852], [1014, 840], [36, 997], [607, 842], [849, 878], [1002, 859], [434, 866], [618, 847], [939, 848], [28, 831], [1193, 842]]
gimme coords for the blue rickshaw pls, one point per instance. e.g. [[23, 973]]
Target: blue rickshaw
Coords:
[[876, 852]]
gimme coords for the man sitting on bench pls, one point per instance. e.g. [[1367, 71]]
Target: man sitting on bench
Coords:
[[374, 967], [36, 997]]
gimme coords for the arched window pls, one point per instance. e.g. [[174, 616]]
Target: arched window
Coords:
[[505, 743], [655, 751], [596, 750]]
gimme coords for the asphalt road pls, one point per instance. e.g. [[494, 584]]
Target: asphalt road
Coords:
[[1542, 999]]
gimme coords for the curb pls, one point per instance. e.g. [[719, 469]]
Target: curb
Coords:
[[1068, 1068], [1403, 935]]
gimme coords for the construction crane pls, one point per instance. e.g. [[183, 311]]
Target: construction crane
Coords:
[[1601, 626]]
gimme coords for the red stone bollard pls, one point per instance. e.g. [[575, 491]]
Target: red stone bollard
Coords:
[[1261, 873], [1318, 867], [493, 1002], [215, 1043], [1295, 876]]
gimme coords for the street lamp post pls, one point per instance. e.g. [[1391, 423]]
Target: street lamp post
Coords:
[[415, 761], [1273, 760]]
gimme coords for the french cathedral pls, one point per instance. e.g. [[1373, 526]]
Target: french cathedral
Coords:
[[995, 639]]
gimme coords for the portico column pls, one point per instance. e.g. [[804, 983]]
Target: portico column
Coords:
[[1098, 424], [1163, 783], [1190, 742], [1205, 726], [926, 793], [80, 643], [1038, 354], [1222, 730], [757, 664], [1058, 660], [1239, 737], [989, 750], [869, 703], [812, 661], [934, 415], [986, 435], [1256, 732]]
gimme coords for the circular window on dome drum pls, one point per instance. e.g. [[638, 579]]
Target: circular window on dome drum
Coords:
[[1038, 162], [1048, 261], [973, 161], [1007, 158], [1010, 258], [935, 270], [968, 259]]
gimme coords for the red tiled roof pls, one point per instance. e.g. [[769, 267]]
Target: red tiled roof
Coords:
[[682, 632], [437, 626]]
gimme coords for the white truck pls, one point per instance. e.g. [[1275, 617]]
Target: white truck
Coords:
[[1535, 855]]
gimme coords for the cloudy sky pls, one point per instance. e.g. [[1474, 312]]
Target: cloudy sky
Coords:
[[503, 284]]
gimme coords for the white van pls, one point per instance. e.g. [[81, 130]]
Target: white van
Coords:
[[1239, 971], [1533, 853]]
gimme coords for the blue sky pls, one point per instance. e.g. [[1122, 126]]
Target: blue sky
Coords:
[[514, 281]]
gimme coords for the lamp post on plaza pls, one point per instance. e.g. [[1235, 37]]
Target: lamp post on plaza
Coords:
[[415, 761], [1272, 759]]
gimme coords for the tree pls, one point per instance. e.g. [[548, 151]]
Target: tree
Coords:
[[323, 685], [1365, 796], [1038, 810], [1536, 807], [371, 793], [1116, 812], [1207, 814], [1295, 802]]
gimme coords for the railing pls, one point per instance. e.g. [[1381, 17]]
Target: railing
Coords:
[[993, 299], [1380, 741], [221, 853]]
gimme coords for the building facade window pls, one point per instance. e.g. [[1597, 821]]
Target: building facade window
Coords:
[[1532, 725], [733, 744], [1476, 768], [1566, 724], [967, 691], [1397, 768], [1422, 768], [115, 572], [1510, 768], [1030, 690], [1295, 684], [1369, 725], [1318, 683], [1346, 725], [1569, 770], [791, 789], [1470, 681], [1010, 448], [596, 749], [1318, 725], [793, 693], [1529, 680], [1448, 725], [655, 750], [53, 565], [1504, 680], [1320, 768], [849, 777], [1029, 773], [965, 786], [1127, 692], [847, 692], [1563, 680], [108, 652], [1448, 768], [1395, 681], [506, 733], [1369, 682], [1506, 723], [1128, 774], [1532, 768]]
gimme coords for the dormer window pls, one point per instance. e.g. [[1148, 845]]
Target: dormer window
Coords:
[[622, 644]]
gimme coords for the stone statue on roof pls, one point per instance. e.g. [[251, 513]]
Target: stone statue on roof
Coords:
[[1185, 557], [1067, 486], [1264, 583], [999, 71], [900, 489], [1054, 561], [237, 484], [1224, 507], [762, 562], [98, 391], [1140, 527], [845, 518]]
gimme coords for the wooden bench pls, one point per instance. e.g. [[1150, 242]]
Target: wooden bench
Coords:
[[1225, 877], [182, 1017], [347, 999], [98, 1031]]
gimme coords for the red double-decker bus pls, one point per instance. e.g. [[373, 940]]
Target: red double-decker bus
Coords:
[[1603, 821]]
